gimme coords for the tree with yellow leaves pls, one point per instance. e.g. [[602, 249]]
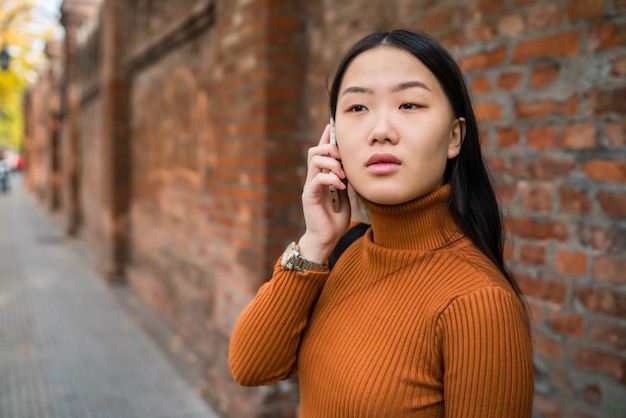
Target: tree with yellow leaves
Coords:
[[23, 32]]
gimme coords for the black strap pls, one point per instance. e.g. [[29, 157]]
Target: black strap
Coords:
[[344, 242]]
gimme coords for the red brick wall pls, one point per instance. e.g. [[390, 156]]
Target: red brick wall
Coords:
[[550, 92], [215, 126], [42, 106], [224, 101], [90, 172]]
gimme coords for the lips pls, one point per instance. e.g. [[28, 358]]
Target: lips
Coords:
[[382, 163], [382, 159]]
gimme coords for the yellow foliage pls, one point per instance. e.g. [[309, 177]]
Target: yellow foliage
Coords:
[[22, 30]]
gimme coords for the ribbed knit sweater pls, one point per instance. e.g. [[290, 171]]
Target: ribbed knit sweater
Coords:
[[413, 321]]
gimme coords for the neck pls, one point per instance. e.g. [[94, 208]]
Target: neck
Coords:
[[423, 224]]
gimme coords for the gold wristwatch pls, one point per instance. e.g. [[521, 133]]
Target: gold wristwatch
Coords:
[[292, 260]]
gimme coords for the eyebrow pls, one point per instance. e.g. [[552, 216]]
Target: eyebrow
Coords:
[[410, 84], [356, 89], [402, 86]]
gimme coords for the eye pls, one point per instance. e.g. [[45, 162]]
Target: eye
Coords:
[[410, 106], [357, 108]]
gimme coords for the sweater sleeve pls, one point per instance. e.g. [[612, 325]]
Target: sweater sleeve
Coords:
[[263, 346], [487, 356]]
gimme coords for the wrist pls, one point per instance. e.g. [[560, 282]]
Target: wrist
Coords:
[[312, 251]]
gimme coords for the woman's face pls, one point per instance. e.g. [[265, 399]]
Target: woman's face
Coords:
[[395, 127]]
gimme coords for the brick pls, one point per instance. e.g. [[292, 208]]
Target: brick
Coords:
[[574, 200], [507, 251], [571, 263], [480, 32], [488, 111], [537, 197], [483, 136], [565, 44], [547, 346], [608, 102], [605, 170], [544, 288], [435, 20], [547, 15], [593, 393], [537, 229], [542, 137], [537, 313], [507, 137], [508, 80], [489, 6], [532, 255], [606, 35], [453, 40], [606, 301], [518, 167], [496, 164], [585, 9], [511, 24], [544, 75], [567, 323], [612, 240], [579, 135], [542, 108], [545, 168], [506, 192], [608, 269], [613, 203], [619, 67], [545, 405], [616, 132], [483, 60], [609, 333], [480, 84], [596, 360]]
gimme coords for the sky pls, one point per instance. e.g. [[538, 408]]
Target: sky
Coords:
[[51, 5]]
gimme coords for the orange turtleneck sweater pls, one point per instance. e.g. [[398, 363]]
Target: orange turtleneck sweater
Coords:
[[413, 321]]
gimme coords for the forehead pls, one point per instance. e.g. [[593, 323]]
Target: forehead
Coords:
[[386, 66]]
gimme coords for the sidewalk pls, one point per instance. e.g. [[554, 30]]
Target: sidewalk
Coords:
[[69, 347]]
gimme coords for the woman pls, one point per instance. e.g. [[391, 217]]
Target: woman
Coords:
[[419, 317]]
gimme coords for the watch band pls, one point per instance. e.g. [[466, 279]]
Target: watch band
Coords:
[[292, 260]]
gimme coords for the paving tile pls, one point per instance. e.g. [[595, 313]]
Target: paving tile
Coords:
[[68, 348]]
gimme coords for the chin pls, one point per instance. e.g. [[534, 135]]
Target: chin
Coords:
[[385, 199], [388, 197]]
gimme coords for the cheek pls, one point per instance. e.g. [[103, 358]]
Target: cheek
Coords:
[[348, 162], [434, 141]]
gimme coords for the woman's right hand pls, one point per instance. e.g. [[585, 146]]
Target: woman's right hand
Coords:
[[324, 226]]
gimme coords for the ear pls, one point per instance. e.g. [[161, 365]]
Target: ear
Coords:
[[457, 135]]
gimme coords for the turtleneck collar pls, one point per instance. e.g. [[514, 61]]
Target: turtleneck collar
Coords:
[[423, 224]]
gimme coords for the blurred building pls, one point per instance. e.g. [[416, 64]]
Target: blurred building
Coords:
[[171, 136]]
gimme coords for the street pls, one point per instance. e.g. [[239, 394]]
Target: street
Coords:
[[69, 348]]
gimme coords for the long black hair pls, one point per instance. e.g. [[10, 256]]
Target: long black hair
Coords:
[[472, 200]]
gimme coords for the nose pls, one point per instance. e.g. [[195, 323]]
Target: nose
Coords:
[[383, 129]]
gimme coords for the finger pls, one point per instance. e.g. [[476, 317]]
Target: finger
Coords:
[[325, 150], [325, 138], [327, 179], [323, 163]]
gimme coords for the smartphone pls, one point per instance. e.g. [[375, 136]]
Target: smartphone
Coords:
[[334, 194]]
